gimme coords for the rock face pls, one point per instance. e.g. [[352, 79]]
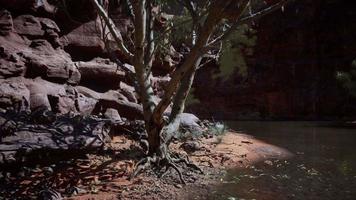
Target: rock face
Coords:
[[64, 133], [292, 72], [101, 72], [33, 48], [37, 70], [22, 6], [14, 93], [84, 41], [36, 27], [58, 88], [41, 85]]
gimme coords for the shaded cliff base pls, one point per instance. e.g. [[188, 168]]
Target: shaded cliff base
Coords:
[[104, 175]]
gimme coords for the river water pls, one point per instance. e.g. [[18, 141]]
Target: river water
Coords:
[[324, 165]]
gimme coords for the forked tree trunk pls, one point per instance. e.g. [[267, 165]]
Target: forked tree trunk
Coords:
[[179, 86], [143, 73], [159, 132]]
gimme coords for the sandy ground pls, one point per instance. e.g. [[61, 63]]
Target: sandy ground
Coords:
[[214, 155], [104, 176]]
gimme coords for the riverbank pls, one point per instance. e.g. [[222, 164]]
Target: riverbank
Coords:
[[104, 175], [214, 155]]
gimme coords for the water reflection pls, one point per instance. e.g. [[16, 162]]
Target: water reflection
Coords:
[[324, 166]]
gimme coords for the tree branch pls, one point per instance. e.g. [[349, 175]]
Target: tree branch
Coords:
[[212, 20], [150, 36], [248, 19], [142, 70], [113, 30], [263, 12]]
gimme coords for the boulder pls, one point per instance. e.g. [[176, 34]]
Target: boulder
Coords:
[[112, 114], [6, 24], [38, 56], [29, 26], [86, 104], [129, 92], [84, 42], [40, 90], [51, 64], [14, 94], [188, 120], [159, 83], [190, 123], [38, 93], [112, 99], [11, 65], [28, 6], [102, 72], [66, 133], [37, 28], [61, 98], [113, 95]]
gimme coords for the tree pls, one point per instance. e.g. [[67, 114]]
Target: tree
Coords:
[[212, 21]]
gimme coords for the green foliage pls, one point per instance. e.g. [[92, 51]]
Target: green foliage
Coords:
[[216, 128], [182, 29], [348, 79], [177, 30], [234, 49]]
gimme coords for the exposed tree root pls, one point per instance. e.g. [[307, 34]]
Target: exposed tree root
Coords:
[[164, 160]]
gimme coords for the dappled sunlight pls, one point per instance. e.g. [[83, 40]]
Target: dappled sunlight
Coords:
[[322, 161], [239, 149], [88, 173]]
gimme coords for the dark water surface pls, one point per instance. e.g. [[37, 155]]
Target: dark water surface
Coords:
[[324, 165]]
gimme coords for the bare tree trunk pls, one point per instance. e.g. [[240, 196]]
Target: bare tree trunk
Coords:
[[113, 30], [187, 81], [150, 36], [143, 73], [190, 62], [187, 69], [183, 92]]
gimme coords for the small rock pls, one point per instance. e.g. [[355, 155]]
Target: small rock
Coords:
[[47, 170], [112, 114], [36, 170], [190, 146], [21, 174], [50, 194], [268, 162], [6, 23], [72, 191]]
